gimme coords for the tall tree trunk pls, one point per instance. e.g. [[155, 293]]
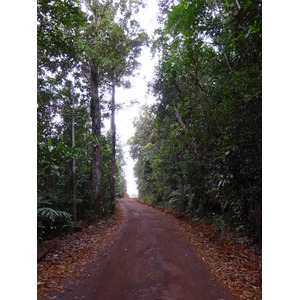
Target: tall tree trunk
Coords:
[[113, 145], [97, 149], [74, 159]]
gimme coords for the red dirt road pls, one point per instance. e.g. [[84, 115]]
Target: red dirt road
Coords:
[[149, 260]]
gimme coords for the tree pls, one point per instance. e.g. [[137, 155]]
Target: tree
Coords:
[[58, 51], [128, 39], [205, 153], [141, 148], [95, 35], [113, 41]]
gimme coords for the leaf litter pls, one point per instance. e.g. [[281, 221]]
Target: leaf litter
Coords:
[[72, 253], [230, 259]]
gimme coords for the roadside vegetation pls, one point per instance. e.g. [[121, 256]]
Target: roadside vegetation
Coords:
[[198, 148], [85, 49]]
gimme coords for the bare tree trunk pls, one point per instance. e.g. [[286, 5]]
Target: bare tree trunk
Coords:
[[97, 148], [113, 144], [74, 159], [238, 4]]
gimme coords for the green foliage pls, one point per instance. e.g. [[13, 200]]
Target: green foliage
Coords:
[[202, 153], [219, 223], [55, 202], [113, 40], [49, 220], [69, 42], [58, 34], [51, 214]]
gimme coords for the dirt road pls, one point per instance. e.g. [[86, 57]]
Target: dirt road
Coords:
[[149, 260]]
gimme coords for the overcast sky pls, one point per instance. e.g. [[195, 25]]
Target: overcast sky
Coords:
[[138, 91]]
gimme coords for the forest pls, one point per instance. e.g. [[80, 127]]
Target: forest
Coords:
[[197, 149], [84, 51]]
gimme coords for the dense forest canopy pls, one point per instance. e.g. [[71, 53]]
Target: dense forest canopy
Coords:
[[84, 50], [197, 149]]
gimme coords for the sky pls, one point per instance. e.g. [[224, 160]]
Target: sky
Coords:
[[138, 91]]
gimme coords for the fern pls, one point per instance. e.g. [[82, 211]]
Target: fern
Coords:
[[52, 214], [173, 199]]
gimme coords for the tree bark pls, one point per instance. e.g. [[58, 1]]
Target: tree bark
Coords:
[[74, 159], [97, 147], [113, 145]]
